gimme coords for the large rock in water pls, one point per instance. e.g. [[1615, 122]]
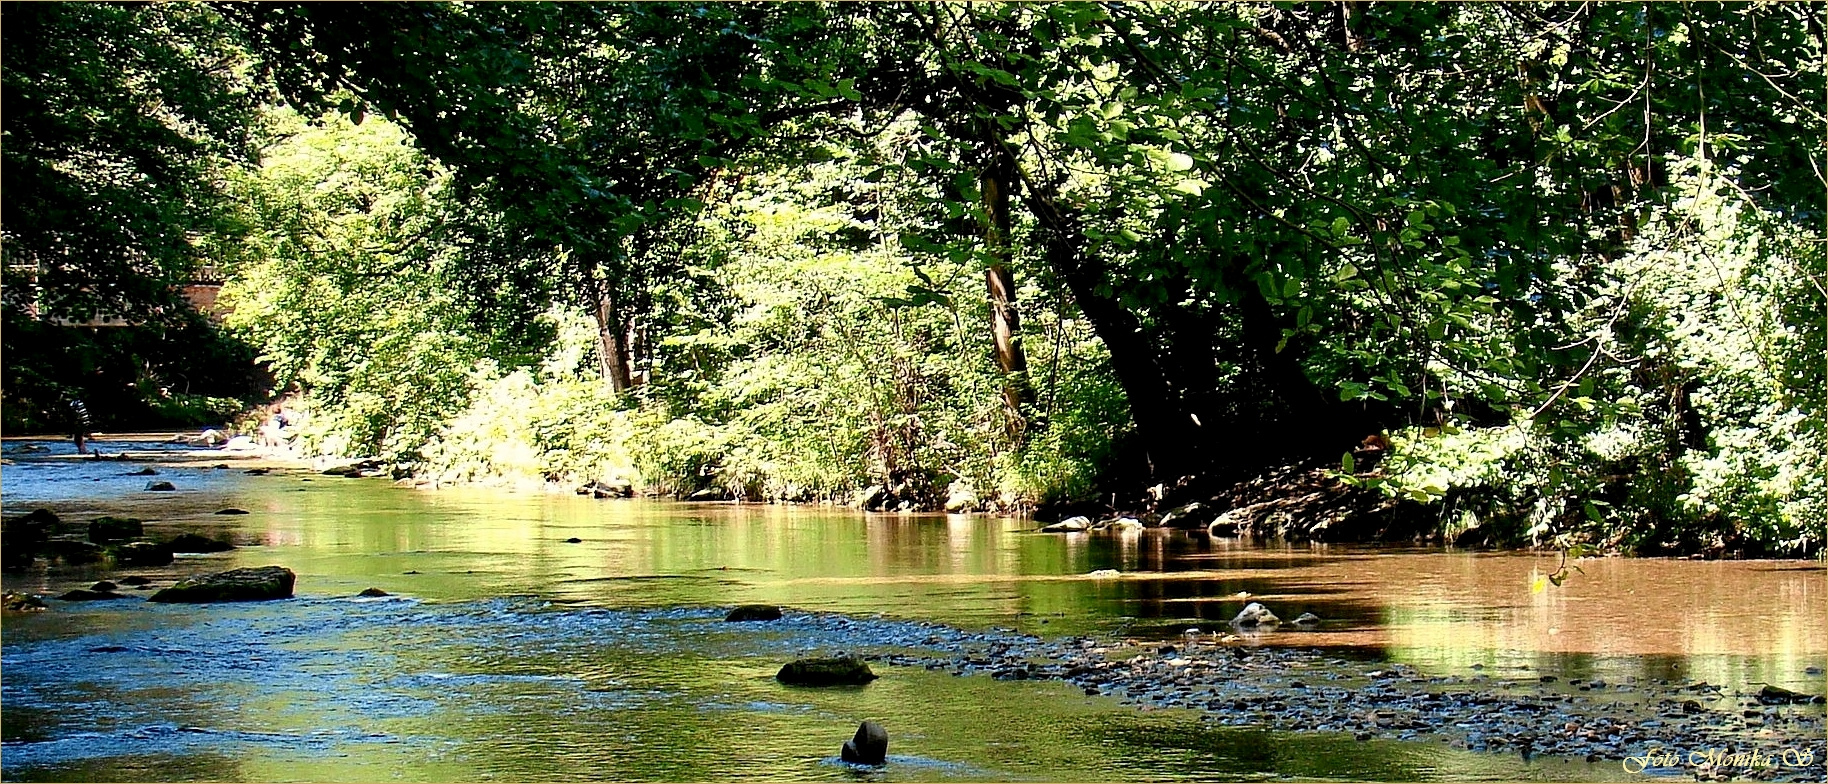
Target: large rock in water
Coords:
[[1255, 614], [103, 530], [870, 746], [1069, 525], [754, 612], [193, 543], [237, 585], [845, 671], [141, 554]]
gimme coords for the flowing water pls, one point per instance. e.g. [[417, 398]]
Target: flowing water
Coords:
[[508, 652]]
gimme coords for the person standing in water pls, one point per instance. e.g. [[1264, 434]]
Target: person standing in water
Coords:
[[79, 423]]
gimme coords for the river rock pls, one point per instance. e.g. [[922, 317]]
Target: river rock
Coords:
[[113, 529], [141, 554], [73, 553], [1068, 525], [231, 511], [104, 585], [845, 671], [86, 595], [960, 496], [1121, 524], [709, 494], [1255, 614], [22, 602], [372, 593], [1307, 619], [236, 585], [613, 488], [872, 497], [148, 471], [870, 746], [1778, 695], [1189, 516], [135, 580], [39, 516], [194, 543], [161, 487], [754, 612]]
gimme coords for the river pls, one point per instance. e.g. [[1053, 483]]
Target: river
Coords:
[[507, 651]]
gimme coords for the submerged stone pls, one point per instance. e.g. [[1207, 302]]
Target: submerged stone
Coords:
[[236, 585], [844, 671], [86, 595], [141, 554]]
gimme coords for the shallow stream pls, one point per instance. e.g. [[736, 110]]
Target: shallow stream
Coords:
[[509, 652]]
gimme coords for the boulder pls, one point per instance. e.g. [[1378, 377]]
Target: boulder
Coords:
[[85, 595], [960, 496], [844, 671], [135, 581], [73, 553], [193, 543], [39, 516], [148, 471], [1068, 525], [870, 746], [373, 593], [161, 487], [872, 497], [231, 511], [1255, 614], [22, 602], [113, 529], [1121, 524], [1189, 516], [754, 612], [1307, 619], [574, 540], [140, 554], [613, 488], [104, 585], [709, 494], [236, 585], [1778, 695]]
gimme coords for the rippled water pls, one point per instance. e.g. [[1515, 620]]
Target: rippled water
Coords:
[[511, 653]]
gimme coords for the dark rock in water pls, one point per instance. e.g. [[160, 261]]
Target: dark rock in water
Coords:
[[231, 511], [193, 543], [135, 581], [83, 595], [1255, 614], [872, 497], [1307, 619], [220, 466], [141, 554], [22, 602], [143, 472], [1068, 525], [373, 592], [103, 586], [1778, 695], [870, 746], [826, 672], [754, 612], [574, 540], [237, 585], [161, 487], [39, 516], [257, 471], [1190, 516], [614, 488], [73, 553], [114, 529]]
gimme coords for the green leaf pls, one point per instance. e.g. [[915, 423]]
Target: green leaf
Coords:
[[1348, 464], [1179, 162]]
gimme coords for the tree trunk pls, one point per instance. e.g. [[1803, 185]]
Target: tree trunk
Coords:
[[612, 342], [1005, 319], [1173, 440]]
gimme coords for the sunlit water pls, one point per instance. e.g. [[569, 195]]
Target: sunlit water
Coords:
[[511, 653]]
